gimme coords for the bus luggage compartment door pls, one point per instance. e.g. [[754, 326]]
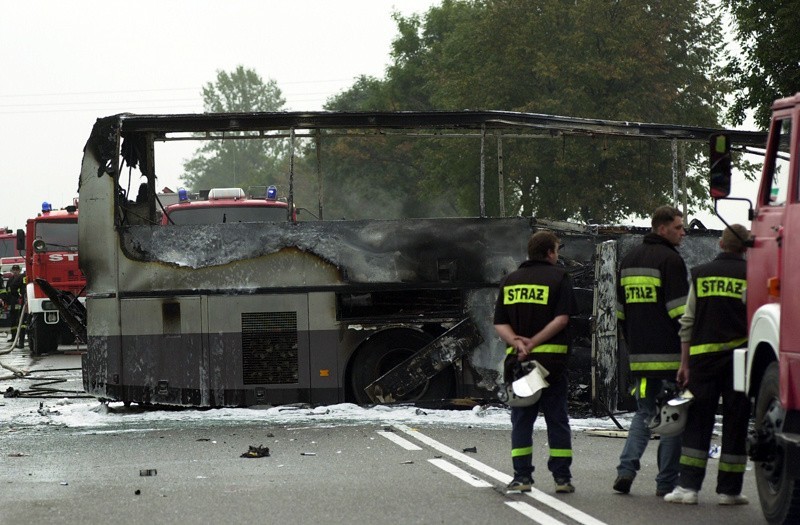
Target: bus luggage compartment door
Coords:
[[259, 349], [163, 359]]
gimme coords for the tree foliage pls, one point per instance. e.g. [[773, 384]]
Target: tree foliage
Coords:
[[238, 162], [654, 62], [768, 66]]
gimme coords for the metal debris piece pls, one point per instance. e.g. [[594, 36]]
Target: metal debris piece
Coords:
[[308, 453], [474, 450], [148, 472], [256, 452]]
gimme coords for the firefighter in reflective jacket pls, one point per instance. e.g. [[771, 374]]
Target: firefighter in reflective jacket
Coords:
[[531, 317], [714, 323], [651, 296]]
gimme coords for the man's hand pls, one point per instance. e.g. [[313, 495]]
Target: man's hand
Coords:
[[682, 377], [523, 346]]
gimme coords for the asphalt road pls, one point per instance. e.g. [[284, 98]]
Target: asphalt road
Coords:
[[318, 471]]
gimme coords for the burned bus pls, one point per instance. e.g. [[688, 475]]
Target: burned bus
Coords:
[[240, 313]]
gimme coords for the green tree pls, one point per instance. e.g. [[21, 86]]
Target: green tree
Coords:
[[594, 59], [768, 66], [238, 162]]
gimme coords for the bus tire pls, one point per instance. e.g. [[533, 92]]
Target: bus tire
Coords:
[[778, 492], [43, 338], [387, 349]]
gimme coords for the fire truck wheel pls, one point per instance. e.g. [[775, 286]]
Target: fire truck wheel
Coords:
[[387, 349], [43, 337], [779, 493]]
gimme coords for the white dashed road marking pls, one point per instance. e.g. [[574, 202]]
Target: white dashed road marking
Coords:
[[533, 513], [461, 474], [406, 444], [538, 495]]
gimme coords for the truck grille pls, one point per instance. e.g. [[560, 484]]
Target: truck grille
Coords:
[[269, 348]]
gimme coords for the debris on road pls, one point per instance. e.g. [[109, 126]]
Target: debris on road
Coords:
[[256, 452], [148, 472]]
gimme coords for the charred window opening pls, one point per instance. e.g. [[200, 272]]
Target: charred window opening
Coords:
[[171, 315], [413, 305]]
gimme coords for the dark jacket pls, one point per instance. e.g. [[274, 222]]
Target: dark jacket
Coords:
[[651, 295], [720, 315], [529, 299]]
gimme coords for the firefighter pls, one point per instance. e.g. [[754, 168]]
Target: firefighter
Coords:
[[651, 295], [714, 323], [15, 289], [531, 317]]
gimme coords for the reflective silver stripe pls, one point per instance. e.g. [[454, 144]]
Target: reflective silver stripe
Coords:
[[650, 272], [733, 459], [654, 358], [694, 453], [675, 303]]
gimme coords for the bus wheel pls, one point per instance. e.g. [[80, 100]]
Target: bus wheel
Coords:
[[387, 349], [778, 491], [43, 338]]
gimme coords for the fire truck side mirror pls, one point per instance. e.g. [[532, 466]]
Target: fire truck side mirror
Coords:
[[720, 165], [20, 240]]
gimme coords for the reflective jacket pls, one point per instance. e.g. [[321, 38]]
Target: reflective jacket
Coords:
[[720, 314], [529, 299], [651, 295]]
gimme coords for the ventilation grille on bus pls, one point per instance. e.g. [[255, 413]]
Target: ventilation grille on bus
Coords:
[[269, 348]]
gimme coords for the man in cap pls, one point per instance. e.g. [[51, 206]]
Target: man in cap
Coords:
[[713, 324]]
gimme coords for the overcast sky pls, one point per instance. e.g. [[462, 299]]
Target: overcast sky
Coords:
[[66, 63]]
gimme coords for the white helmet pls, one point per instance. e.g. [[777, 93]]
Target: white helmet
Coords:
[[672, 415], [527, 389]]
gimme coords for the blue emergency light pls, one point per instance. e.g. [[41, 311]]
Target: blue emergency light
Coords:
[[183, 195], [46, 206], [272, 193]]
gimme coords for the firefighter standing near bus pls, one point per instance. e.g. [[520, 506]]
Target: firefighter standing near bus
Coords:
[[531, 317], [651, 296], [714, 323]]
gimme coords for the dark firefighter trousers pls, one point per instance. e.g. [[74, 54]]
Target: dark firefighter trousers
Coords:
[[700, 425], [553, 404]]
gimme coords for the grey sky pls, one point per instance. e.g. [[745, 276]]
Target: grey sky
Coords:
[[66, 63]]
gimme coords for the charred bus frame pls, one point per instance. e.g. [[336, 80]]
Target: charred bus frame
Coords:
[[317, 311]]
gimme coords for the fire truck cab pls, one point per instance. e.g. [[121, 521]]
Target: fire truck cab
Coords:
[[226, 205], [768, 370], [51, 253]]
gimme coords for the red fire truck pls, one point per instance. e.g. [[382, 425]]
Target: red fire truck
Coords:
[[768, 370], [50, 241], [227, 205], [9, 256]]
